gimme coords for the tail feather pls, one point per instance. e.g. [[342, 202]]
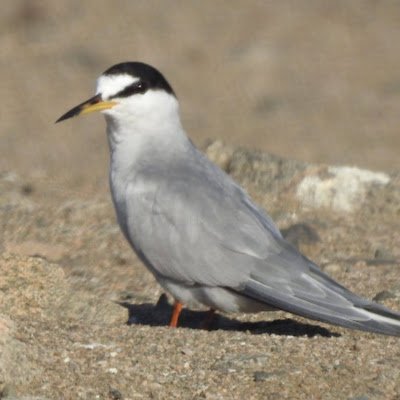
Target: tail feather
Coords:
[[340, 306]]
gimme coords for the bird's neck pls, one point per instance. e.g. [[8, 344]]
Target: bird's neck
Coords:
[[135, 148], [134, 144]]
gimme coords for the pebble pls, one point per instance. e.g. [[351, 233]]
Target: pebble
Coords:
[[115, 394], [384, 295], [113, 371], [260, 376], [332, 268]]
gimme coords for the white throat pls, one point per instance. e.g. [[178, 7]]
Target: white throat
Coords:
[[143, 124], [142, 129]]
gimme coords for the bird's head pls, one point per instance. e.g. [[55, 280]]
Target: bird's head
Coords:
[[129, 91]]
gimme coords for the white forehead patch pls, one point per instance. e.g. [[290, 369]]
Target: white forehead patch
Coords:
[[109, 85]]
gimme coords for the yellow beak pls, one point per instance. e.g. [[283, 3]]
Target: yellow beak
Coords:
[[93, 104]]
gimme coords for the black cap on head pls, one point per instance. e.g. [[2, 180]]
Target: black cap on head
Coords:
[[149, 76]]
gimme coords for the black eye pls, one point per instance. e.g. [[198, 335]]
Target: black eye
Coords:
[[141, 87], [134, 88]]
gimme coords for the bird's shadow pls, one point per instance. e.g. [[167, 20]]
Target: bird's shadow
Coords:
[[160, 313]]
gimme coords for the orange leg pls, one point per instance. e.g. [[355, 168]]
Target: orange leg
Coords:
[[208, 319], [175, 314]]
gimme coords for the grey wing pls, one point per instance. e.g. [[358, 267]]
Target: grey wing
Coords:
[[199, 228], [195, 229]]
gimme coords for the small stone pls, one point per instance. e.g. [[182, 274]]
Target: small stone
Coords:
[[6, 391], [302, 233], [126, 295], [383, 254], [187, 352], [260, 376], [113, 371], [115, 394], [384, 295], [332, 268], [27, 189], [120, 260], [220, 154]]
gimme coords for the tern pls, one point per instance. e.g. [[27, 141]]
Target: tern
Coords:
[[197, 231]]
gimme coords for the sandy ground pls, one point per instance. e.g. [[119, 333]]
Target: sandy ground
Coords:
[[313, 81], [80, 317]]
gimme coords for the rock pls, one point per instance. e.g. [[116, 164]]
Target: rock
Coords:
[[266, 172], [300, 234], [384, 295], [220, 154], [260, 376], [342, 189], [115, 394], [382, 253], [332, 268]]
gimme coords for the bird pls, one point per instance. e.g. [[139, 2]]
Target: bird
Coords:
[[195, 229]]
